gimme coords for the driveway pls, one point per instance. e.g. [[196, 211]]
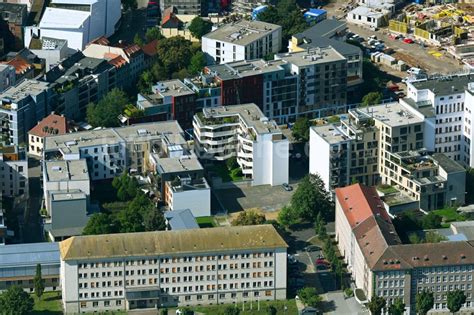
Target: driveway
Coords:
[[335, 303]]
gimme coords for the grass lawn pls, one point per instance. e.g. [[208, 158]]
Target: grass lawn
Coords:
[[226, 175], [387, 189], [205, 222], [450, 215], [50, 303], [279, 305]]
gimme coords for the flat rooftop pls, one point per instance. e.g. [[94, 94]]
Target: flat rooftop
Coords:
[[178, 165], [368, 12], [446, 85], [249, 113], [242, 32], [240, 69], [55, 18], [392, 114], [23, 89], [72, 142], [18, 255], [449, 165], [331, 133], [57, 171], [173, 88], [67, 195], [312, 56]]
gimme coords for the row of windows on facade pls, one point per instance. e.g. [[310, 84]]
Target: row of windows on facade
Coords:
[[174, 260], [222, 286], [451, 278], [446, 288]]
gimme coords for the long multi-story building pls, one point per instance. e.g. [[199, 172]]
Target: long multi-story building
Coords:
[[172, 268], [15, 16], [13, 171], [385, 144], [381, 265], [242, 131], [242, 40]]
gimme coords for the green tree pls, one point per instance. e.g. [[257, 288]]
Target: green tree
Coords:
[[105, 113], [309, 296], [164, 311], [152, 34], [320, 226], [129, 4], [287, 14], [300, 129], [186, 311], [100, 223], [372, 98], [431, 221], [286, 216], [376, 305], [174, 53], [415, 239], [433, 237], [15, 301], [137, 40], [39, 282], [199, 27], [154, 220], [470, 185], [249, 217], [456, 299], [424, 302], [271, 310], [231, 163], [231, 310], [198, 62], [397, 307], [311, 198], [145, 82]]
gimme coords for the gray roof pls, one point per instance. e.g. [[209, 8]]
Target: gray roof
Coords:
[[181, 219], [449, 165], [451, 85], [322, 29], [465, 228], [426, 110], [180, 164], [242, 32], [29, 254], [66, 170], [313, 56]]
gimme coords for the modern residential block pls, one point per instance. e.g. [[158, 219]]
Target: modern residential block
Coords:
[[18, 265], [13, 171], [170, 268], [381, 265], [242, 40], [243, 131], [66, 186], [7, 76]]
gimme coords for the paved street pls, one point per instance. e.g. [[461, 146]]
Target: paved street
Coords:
[[31, 228], [336, 304]]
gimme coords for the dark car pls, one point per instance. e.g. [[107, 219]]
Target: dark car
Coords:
[[312, 248], [287, 187]]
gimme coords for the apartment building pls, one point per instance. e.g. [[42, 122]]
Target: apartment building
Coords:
[[243, 131], [3, 224], [446, 104], [381, 265], [66, 187], [13, 171], [7, 76], [22, 106], [332, 33], [384, 144], [172, 268], [51, 125], [78, 81], [51, 50], [186, 7], [18, 265], [242, 40]]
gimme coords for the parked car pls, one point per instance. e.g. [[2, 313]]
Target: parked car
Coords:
[[291, 259], [287, 187], [322, 261], [408, 41], [312, 248]]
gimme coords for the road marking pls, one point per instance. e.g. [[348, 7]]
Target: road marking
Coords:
[[311, 263]]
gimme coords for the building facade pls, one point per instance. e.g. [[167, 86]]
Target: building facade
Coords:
[[381, 265], [7, 76], [242, 40], [242, 131], [51, 125], [15, 15], [172, 268], [13, 171]]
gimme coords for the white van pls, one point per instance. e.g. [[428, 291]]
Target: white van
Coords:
[[414, 71]]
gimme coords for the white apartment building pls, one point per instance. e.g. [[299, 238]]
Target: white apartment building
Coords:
[[77, 21], [242, 40], [172, 268], [243, 131], [13, 172], [446, 105]]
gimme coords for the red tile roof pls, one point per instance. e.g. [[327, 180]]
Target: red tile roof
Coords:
[[118, 62], [102, 40], [50, 125], [150, 48], [21, 65]]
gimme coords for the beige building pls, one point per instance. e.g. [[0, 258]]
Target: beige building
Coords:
[[49, 126], [381, 265], [172, 268]]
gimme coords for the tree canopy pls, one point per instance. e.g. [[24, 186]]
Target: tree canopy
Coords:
[[105, 113], [376, 305], [455, 300], [232, 310], [152, 34], [311, 198], [372, 98], [300, 129], [249, 217], [15, 301], [424, 302], [198, 62], [287, 14], [199, 27], [397, 307], [309, 296], [39, 282], [129, 4], [100, 223]]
